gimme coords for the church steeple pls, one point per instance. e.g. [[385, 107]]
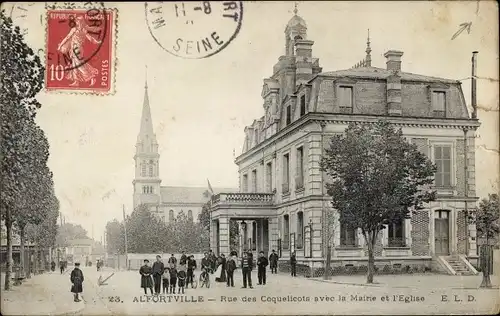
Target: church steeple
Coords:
[[147, 167], [368, 58], [146, 140]]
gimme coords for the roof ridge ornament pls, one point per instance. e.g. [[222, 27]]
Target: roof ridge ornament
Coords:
[[295, 10]]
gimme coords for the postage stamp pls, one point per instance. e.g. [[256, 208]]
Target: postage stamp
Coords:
[[194, 30], [79, 50]]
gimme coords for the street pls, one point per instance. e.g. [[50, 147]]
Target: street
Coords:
[[48, 294], [283, 294]]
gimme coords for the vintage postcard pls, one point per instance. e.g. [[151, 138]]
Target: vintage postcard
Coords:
[[250, 158]]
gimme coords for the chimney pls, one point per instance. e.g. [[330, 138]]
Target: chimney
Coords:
[[393, 60], [473, 85]]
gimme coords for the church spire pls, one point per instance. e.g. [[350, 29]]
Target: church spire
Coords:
[[295, 11], [368, 59], [146, 136]]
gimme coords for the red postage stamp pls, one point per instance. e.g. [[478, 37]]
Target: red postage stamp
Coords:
[[80, 50]]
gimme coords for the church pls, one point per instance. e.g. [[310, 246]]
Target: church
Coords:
[[282, 203], [167, 202]]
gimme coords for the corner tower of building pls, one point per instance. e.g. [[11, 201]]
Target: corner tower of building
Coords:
[[147, 168]]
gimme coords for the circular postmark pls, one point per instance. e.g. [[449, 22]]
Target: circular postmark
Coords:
[[76, 34], [194, 30]]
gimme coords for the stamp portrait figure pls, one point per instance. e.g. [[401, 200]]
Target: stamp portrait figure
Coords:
[[72, 45]]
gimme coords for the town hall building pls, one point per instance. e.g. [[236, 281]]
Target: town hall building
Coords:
[[167, 202], [282, 203]]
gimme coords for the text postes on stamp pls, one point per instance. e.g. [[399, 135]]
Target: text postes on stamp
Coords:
[[194, 29], [80, 50]]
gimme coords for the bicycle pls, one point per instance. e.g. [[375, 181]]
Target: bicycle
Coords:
[[205, 278]]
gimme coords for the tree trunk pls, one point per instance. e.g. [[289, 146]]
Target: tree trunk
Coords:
[[8, 266], [22, 251], [328, 262], [371, 258]]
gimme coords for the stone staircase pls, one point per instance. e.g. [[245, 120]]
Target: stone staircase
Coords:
[[459, 266]]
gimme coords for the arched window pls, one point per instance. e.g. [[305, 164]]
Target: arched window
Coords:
[[143, 169], [171, 216], [151, 168], [190, 215]]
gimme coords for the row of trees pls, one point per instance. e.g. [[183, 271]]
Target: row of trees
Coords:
[[28, 203], [146, 233]]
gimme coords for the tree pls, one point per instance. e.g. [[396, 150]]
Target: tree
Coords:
[[69, 231], [377, 178], [21, 75], [115, 237], [487, 217], [145, 232], [204, 220]]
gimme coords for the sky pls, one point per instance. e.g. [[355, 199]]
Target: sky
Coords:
[[201, 106]]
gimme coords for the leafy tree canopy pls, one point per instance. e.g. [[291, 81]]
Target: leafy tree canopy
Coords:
[[487, 217]]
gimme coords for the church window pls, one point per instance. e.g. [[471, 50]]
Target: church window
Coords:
[[151, 167], [171, 216], [190, 215], [143, 169]]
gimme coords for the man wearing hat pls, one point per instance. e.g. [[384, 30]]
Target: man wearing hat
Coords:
[[273, 262], [146, 280], [77, 280]]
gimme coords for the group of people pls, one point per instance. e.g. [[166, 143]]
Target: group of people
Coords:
[[167, 278]]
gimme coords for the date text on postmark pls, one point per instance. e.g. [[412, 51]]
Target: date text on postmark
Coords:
[[80, 50], [194, 30]]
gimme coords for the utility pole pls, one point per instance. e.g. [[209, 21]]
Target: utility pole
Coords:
[[125, 229]]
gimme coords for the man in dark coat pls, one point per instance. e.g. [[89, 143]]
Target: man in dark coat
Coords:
[[77, 280], [146, 280], [184, 258], [246, 268], [158, 270], [61, 266], [191, 266], [230, 267], [172, 261], [261, 268], [273, 262], [293, 264], [213, 260]]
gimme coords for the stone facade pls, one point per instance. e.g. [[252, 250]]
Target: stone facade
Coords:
[[282, 152]]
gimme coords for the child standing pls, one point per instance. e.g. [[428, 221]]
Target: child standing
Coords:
[[181, 276], [173, 280], [77, 280], [166, 280]]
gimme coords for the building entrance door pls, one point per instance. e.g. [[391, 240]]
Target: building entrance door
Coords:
[[441, 233]]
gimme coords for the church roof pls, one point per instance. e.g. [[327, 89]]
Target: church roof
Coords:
[[296, 20], [195, 195], [382, 73]]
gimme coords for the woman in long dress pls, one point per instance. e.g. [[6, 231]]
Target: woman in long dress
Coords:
[[146, 278], [72, 46], [221, 270]]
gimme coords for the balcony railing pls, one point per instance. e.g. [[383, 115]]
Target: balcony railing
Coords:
[[244, 198]]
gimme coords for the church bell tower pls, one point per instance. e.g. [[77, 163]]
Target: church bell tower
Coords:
[[147, 168]]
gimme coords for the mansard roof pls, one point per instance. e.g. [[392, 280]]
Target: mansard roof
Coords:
[[382, 73]]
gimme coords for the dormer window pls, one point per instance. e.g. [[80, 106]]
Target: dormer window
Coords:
[[345, 97], [439, 103], [303, 105], [288, 115]]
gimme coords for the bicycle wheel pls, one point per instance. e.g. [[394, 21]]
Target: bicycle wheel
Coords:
[[207, 282], [202, 281], [194, 283]]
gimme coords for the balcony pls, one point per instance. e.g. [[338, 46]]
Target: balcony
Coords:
[[243, 199]]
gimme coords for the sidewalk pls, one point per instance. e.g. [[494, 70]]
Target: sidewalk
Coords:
[[44, 294], [428, 280]]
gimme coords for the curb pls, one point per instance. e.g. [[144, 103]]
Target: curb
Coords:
[[347, 283]]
